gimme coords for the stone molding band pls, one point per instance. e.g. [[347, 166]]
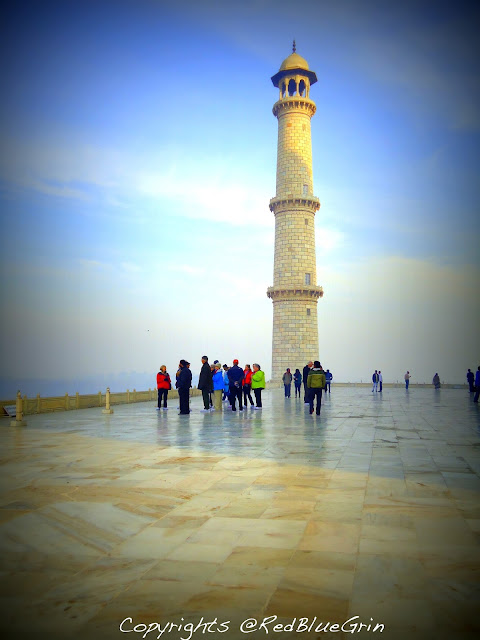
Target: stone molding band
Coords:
[[295, 293], [292, 103]]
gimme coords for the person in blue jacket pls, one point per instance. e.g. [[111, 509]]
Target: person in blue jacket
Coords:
[[328, 380]]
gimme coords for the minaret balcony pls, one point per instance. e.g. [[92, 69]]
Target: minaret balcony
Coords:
[[295, 293], [294, 102], [287, 203]]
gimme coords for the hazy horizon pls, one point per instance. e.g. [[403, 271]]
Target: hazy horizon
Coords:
[[139, 158]]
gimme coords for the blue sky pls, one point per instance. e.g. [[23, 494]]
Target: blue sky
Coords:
[[139, 156]]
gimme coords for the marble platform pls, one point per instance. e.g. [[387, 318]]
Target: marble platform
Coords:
[[368, 513]]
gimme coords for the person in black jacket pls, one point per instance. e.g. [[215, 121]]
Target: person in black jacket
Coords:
[[306, 370], [470, 379], [235, 377], [184, 382], [205, 383]]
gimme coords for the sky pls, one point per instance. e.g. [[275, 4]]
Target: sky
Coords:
[[139, 157]]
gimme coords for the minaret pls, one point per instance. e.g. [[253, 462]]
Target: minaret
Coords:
[[295, 292]]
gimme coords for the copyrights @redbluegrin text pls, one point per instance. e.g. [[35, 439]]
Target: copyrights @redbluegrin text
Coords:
[[186, 630]]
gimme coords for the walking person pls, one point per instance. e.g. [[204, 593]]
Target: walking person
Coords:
[[477, 385], [287, 382], [380, 381], [316, 384], [328, 380], [297, 380], [164, 384], [258, 383], [247, 385], [470, 380], [407, 377], [205, 383], [436, 381], [235, 378], [217, 386], [184, 382], [375, 381], [306, 370]]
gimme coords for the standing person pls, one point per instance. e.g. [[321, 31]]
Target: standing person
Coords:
[[470, 380], [258, 383], [316, 383], [235, 378], [407, 379], [226, 384], [306, 371], [477, 385], [217, 386], [436, 381], [380, 380], [205, 383], [375, 381], [297, 380], [164, 384], [328, 380], [287, 382], [184, 382], [247, 385]]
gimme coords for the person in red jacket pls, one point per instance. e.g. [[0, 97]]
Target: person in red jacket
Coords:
[[247, 385], [164, 384]]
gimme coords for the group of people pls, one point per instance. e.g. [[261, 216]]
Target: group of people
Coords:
[[217, 383], [315, 381], [474, 383]]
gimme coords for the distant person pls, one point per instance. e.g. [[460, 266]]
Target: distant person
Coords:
[[184, 382], [380, 381], [477, 385], [217, 386], [316, 384], [297, 381], [164, 384], [235, 378], [258, 384], [407, 377], [306, 371], [247, 386], [205, 383], [375, 381], [287, 382], [328, 380], [436, 381], [226, 384], [471, 380]]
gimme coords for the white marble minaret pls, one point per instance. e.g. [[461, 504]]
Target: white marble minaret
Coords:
[[294, 292]]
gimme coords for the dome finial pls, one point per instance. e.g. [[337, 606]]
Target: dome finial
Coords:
[[294, 48]]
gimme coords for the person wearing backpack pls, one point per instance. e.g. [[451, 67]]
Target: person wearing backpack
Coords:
[[316, 384]]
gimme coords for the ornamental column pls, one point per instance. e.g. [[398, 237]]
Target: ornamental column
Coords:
[[294, 292]]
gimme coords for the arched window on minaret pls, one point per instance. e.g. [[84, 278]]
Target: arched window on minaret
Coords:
[[292, 87], [284, 90], [302, 88]]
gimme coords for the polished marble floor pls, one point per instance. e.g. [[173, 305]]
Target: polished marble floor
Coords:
[[368, 513]]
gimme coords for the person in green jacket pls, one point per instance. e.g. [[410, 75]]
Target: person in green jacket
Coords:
[[316, 384], [258, 383]]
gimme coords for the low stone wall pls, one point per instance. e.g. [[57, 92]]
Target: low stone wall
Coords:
[[70, 402]]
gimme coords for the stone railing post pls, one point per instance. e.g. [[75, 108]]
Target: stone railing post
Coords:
[[134, 395], [128, 396], [99, 398], [107, 402], [19, 421]]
